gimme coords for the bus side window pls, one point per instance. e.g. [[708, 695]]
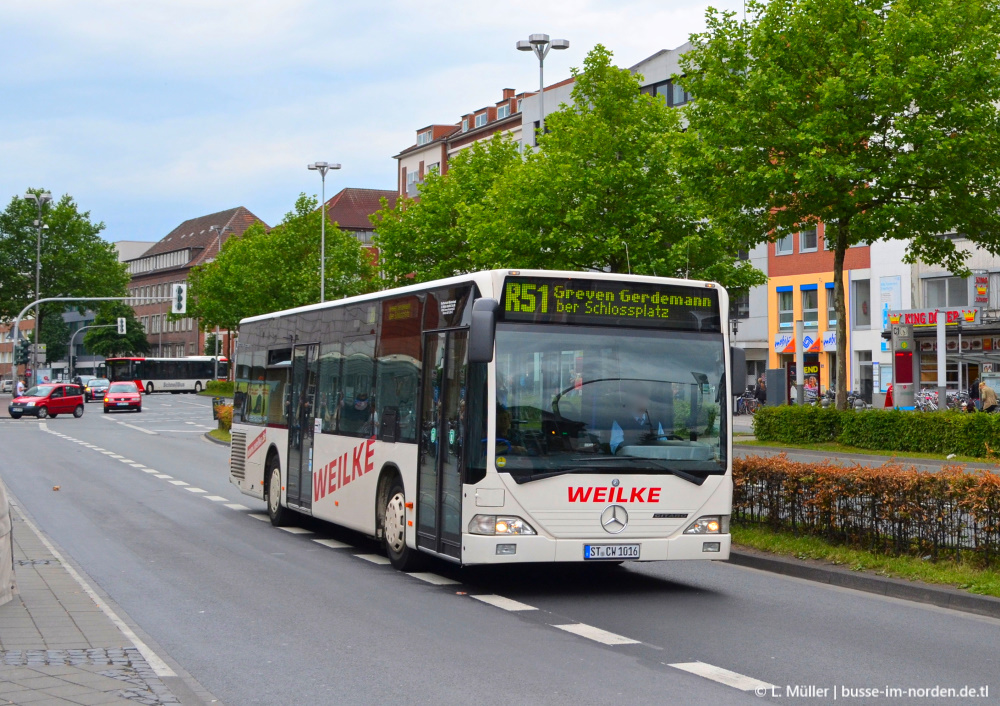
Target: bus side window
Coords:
[[399, 368]]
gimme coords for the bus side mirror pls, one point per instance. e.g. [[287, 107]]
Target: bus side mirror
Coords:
[[737, 369], [482, 333]]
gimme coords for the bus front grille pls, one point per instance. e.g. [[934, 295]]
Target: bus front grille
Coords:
[[238, 455]]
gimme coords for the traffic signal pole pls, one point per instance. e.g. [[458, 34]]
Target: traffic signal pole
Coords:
[[73, 337]]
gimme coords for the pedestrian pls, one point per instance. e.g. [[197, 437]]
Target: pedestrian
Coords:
[[20, 388], [761, 392], [974, 393], [987, 398]]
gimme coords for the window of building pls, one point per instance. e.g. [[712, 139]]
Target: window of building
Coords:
[[465, 124], [807, 240], [436, 167], [503, 111], [786, 310], [424, 137], [784, 246], [518, 105], [862, 303], [810, 308], [946, 291], [481, 119], [831, 306], [739, 305], [678, 96]]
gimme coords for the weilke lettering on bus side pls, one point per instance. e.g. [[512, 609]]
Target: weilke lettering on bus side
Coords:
[[339, 472]]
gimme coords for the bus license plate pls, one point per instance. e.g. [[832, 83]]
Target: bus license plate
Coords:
[[611, 551]]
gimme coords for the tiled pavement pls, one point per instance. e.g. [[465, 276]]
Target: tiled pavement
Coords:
[[56, 644]]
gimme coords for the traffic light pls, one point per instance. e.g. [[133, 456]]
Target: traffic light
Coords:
[[21, 355], [178, 299], [121, 326]]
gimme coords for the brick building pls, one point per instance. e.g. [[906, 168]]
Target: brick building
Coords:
[[350, 209], [193, 242]]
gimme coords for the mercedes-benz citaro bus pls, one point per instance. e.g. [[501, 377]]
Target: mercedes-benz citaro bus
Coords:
[[498, 417]]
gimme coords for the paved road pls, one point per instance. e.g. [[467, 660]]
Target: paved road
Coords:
[[262, 616]]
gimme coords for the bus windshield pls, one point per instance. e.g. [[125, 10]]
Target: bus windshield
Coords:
[[609, 400]]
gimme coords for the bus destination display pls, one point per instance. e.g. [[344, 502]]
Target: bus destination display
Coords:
[[606, 303]]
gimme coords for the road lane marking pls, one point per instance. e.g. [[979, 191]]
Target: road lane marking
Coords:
[[159, 667], [259, 516], [177, 482], [295, 530], [182, 431], [127, 460], [237, 506], [723, 676], [138, 465], [596, 634], [113, 455], [151, 470], [373, 558], [332, 543], [132, 426], [195, 490], [162, 475], [434, 579], [216, 498], [504, 603]]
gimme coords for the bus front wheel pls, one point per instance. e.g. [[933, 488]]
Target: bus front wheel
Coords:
[[394, 531], [149, 388], [277, 513]]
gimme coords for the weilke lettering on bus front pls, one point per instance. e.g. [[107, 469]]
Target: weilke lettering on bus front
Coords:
[[339, 472], [608, 495]]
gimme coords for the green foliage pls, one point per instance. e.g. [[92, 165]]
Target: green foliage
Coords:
[[879, 120], [107, 342], [75, 260], [263, 271], [430, 238], [219, 388], [54, 333], [210, 345], [947, 432], [601, 192]]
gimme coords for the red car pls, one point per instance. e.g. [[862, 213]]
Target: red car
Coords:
[[48, 400], [122, 396]]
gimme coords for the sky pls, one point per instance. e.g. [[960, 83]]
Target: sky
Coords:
[[151, 112]]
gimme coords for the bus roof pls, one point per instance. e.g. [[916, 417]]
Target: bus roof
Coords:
[[482, 278]]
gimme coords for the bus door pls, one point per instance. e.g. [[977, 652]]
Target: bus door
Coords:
[[439, 476], [301, 405]]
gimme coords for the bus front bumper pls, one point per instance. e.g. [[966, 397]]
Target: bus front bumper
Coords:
[[482, 549]]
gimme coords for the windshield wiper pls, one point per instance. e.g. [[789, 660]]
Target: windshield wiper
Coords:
[[650, 464]]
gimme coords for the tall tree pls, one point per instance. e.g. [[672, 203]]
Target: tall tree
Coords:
[[603, 191], [878, 119], [106, 341], [429, 238], [264, 271]]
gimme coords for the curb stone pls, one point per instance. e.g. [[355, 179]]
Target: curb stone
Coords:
[[941, 596], [211, 438]]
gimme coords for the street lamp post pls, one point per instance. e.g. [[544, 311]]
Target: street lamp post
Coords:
[[322, 168], [219, 231], [40, 200], [540, 45]]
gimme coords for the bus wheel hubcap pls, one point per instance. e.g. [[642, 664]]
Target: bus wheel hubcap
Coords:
[[395, 521], [275, 490]]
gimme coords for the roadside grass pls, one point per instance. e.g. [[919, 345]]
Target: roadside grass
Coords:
[[949, 572], [833, 447], [221, 435], [206, 393]]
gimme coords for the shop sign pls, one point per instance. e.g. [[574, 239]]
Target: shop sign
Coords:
[[928, 317], [829, 341], [981, 290], [811, 343], [784, 343]]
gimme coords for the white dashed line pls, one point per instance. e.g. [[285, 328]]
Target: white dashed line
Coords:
[[177, 482], [138, 465], [504, 603], [237, 506], [295, 530], [127, 460], [196, 490], [113, 455], [332, 543], [434, 579], [132, 426], [373, 558], [150, 470], [723, 676], [596, 634], [259, 516], [216, 498]]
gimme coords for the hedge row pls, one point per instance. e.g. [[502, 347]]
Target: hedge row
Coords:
[[222, 388], [885, 430], [889, 509]]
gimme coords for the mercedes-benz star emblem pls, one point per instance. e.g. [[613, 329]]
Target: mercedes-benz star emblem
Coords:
[[614, 519]]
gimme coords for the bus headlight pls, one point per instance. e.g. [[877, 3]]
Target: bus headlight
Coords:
[[499, 524], [710, 524]]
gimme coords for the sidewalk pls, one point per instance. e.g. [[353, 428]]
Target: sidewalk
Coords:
[[57, 646]]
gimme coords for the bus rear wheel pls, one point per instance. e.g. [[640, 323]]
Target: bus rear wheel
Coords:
[[149, 388], [197, 388], [394, 531], [277, 513]]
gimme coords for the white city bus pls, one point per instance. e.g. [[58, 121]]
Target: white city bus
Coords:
[[498, 417], [191, 374]]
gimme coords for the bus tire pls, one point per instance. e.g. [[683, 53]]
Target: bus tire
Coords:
[[197, 388], [78, 412], [400, 556], [149, 388], [279, 515]]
